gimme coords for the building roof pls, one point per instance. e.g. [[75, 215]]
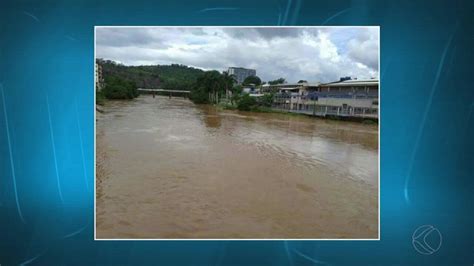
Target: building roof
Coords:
[[352, 82], [292, 85]]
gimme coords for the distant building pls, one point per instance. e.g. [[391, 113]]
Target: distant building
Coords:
[[241, 73], [350, 97], [99, 78], [251, 89], [290, 87]]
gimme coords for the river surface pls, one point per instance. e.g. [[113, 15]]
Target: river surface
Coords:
[[167, 168]]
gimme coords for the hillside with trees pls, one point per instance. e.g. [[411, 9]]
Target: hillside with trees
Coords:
[[206, 87], [171, 77]]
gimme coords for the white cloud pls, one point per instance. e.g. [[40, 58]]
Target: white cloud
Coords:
[[313, 54], [364, 48]]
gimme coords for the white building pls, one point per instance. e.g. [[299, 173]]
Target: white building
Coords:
[[353, 98], [241, 73]]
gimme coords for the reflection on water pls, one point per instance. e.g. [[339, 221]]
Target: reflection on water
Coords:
[[167, 168]]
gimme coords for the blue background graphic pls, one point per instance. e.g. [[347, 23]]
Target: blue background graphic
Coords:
[[47, 131]]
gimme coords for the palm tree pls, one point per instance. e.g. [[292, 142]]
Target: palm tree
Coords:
[[214, 82], [228, 81]]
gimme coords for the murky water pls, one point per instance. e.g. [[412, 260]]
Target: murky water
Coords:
[[167, 168]]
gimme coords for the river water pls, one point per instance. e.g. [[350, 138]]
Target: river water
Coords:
[[167, 168]]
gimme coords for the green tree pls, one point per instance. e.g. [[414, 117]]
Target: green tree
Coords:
[[118, 88], [252, 80], [199, 95], [173, 77], [228, 81], [277, 81], [236, 92], [302, 81], [246, 103], [208, 87], [237, 89], [235, 98], [266, 100]]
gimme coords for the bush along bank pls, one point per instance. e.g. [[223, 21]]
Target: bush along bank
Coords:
[[116, 89]]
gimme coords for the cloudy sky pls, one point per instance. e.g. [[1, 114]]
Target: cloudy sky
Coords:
[[313, 54]]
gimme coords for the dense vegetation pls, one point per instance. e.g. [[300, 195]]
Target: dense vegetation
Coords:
[[246, 103], [172, 77], [252, 80], [277, 81], [121, 82], [211, 86], [118, 88]]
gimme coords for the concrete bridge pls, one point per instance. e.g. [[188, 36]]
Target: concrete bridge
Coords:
[[170, 93], [161, 90]]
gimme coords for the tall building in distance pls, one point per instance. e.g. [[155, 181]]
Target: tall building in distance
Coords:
[[241, 73]]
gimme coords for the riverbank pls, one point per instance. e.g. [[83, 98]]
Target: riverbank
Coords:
[[262, 109]]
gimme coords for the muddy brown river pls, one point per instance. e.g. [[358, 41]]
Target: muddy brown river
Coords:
[[167, 168]]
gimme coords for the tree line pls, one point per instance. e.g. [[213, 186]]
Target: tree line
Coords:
[[172, 77], [212, 86], [121, 82]]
